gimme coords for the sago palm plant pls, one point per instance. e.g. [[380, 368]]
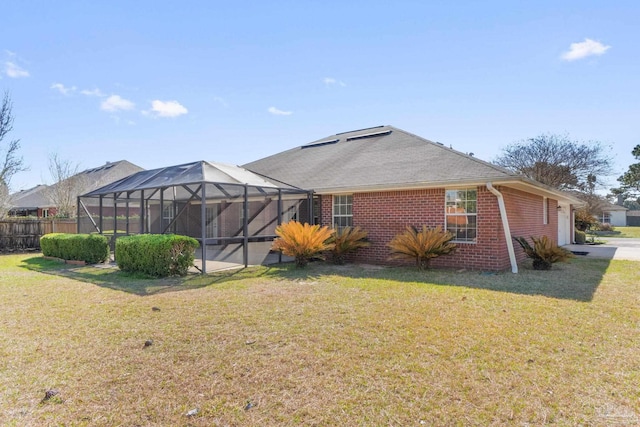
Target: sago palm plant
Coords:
[[302, 241], [345, 241], [544, 252], [422, 245]]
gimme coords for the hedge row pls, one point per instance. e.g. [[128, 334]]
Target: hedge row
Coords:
[[90, 248], [158, 255]]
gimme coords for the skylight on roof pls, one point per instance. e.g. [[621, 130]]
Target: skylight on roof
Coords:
[[369, 135], [320, 143]]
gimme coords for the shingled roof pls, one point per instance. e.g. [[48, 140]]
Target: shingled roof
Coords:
[[90, 179], [380, 157], [386, 158]]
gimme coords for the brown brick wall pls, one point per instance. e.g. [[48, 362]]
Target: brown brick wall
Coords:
[[385, 214]]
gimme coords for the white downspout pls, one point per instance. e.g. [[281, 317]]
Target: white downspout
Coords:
[[505, 227]]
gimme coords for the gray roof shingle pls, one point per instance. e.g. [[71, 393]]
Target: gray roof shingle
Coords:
[[381, 157]]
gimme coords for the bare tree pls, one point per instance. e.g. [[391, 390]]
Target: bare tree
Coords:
[[558, 162], [11, 163], [66, 187]]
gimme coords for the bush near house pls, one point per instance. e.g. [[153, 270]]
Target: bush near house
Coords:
[[422, 245], [580, 237], [304, 242], [158, 255], [584, 220], [347, 240], [90, 248], [544, 252]]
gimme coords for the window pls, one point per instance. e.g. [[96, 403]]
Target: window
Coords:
[[606, 218], [167, 212], [545, 211], [460, 214], [290, 214], [45, 213], [342, 211], [168, 215]]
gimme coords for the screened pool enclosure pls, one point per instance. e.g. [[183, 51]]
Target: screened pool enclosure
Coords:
[[232, 212]]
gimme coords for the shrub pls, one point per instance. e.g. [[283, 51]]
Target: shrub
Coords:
[[605, 226], [302, 241], [422, 245], [345, 241], [544, 252], [158, 255], [90, 248], [584, 220], [580, 237]]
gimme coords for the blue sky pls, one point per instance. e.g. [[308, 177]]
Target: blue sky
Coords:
[[163, 83]]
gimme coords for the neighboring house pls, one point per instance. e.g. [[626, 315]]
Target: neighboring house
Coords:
[[32, 202], [37, 202], [384, 179], [615, 215], [633, 218]]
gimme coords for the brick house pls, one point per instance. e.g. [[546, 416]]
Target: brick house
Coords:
[[384, 179]]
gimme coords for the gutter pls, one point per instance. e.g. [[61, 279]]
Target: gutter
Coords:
[[505, 227]]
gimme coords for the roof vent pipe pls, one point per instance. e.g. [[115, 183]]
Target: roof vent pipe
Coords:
[[505, 227]]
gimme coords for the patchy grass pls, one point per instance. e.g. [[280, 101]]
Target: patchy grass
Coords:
[[628, 232], [327, 345]]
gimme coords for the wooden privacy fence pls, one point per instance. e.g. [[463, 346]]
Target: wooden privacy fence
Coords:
[[24, 234]]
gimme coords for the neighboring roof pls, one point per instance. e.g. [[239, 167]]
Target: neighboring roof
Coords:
[[33, 198], [38, 196], [189, 173], [384, 158], [610, 207], [109, 172]]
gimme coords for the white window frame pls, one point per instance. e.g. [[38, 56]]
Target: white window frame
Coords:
[[459, 208], [545, 211], [342, 210]]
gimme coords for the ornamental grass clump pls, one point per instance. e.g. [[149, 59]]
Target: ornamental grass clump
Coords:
[[346, 241], [302, 241], [422, 245], [544, 252]]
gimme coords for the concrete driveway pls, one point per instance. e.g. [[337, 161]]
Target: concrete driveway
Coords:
[[614, 248]]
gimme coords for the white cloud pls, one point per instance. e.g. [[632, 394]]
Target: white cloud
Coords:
[[583, 49], [116, 103], [15, 71], [275, 111], [94, 92], [328, 81], [167, 109], [62, 88]]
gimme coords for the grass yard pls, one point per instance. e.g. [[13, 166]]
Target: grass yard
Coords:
[[628, 232], [327, 346]]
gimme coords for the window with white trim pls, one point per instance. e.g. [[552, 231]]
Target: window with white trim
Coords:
[[461, 214], [545, 211], [342, 211]]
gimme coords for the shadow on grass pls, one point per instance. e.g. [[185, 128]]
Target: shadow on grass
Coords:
[[137, 284], [577, 280]]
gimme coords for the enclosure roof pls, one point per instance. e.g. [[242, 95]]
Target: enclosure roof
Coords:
[[189, 173]]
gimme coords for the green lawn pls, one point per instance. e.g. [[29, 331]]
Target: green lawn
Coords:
[[628, 232], [343, 346]]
